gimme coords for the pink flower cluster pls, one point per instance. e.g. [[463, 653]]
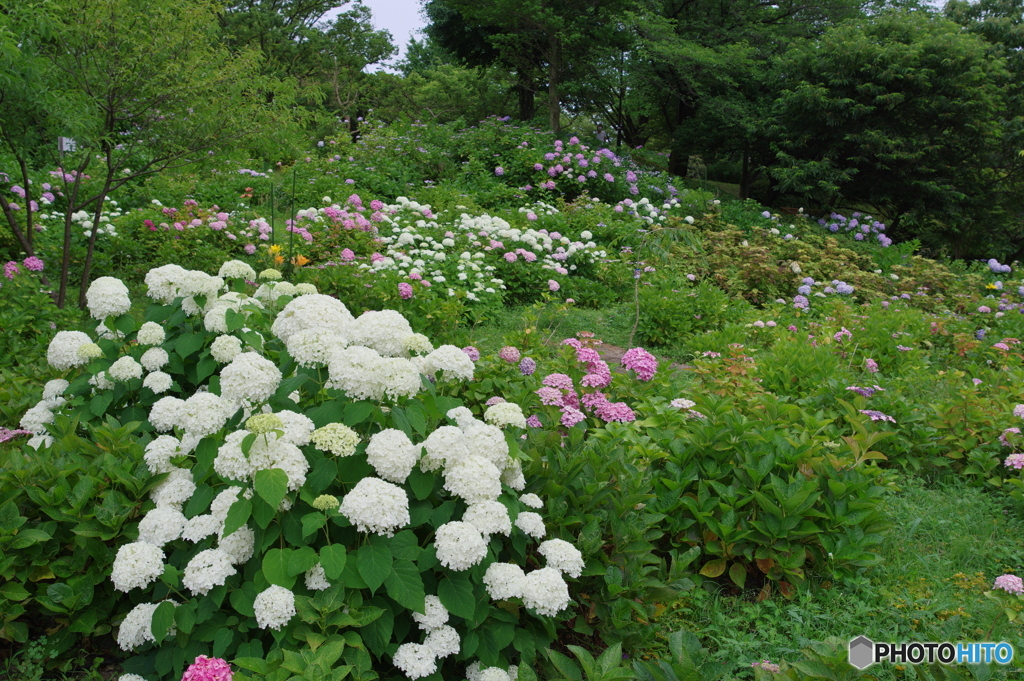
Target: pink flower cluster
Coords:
[[405, 290], [1010, 584], [7, 435], [208, 669], [767, 666], [1018, 411], [871, 365], [472, 353], [11, 269], [1009, 431], [640, 362], [510, 354], [1014, 461]]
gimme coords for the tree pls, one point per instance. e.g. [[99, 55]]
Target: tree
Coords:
[[153, 89], [902, 113]]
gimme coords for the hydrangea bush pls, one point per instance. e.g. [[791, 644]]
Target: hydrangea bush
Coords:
[[318, 507]]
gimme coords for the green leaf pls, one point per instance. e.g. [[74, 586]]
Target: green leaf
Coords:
[[357, 412], [98, 404], [738, 575], [405, 585], [185, 616], [238, 515], [271, 485], [456, 594], [13, 591], [713, 568], [374, 563], [422, 484], [275, 568], [377, 633], [188, 344], [333, 559], [311, 522], [253, 664], [302, 559], [163, 620]]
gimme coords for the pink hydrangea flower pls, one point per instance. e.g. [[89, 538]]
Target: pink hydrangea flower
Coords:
[[494, 400], [208, 669], [871, 365], [499, 171], [641, 362], [250, 248], [33, 264], [509, 353], [347, 254], [560, 381], [511, 257], [553, 285], [593, 400], [1009, 431], [1010, 584], [471, 352], [405, 290], [615, 411], [984, 308], [1015, 461], [534, 422], [1018, 411], [587, 355], [11, 269], [572, 342], [570, 416]]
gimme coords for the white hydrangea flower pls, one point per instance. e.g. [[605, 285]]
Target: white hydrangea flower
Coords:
[[166, 414], [107, 296], [488, 442], [513, 476], [200, 527], [532, 524], [161, 525], [249, 377], [336, 438], [446, 443], [376, 506], [459, 545], [417, 344], [230, 462], [236, 269], [103, 331], [316, 578], [531, 500], [158, 381], [159, 453], [443, 641], [473, 479], [62, 353], [490, 517], [297, 427], [225, 348], [176, 489], [206, 570], [223, 501], [504, 581], [505, 414], [493, 674], [154, 359], [562, 556], [309, 312], [463, 417], [55, 388], [36, 418], [399, 377], [204, 413], [163, 282], [416, 660], [545, 591], [151, 333], [434, 614], [101, 381], [392, 454], [137, 628], [304, 289], [355, 370], [451, 361], [314, 347], [274, 607], [239, 545], [136, 566], [269, 452], [383, 331], [130, 677]]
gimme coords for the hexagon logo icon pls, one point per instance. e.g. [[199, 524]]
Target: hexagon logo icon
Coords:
[[862, 652]]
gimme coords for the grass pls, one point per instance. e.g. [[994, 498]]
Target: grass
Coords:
[[947, 545]]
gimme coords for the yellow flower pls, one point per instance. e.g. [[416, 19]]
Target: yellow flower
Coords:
[[275, 249]]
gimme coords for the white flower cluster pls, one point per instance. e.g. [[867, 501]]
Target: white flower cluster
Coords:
[[151, 333], [236, 269], [336, 438], [137, 627], [376, 506], [475, 672], [206, 570], [249, 379], [417, 660], [274, 607], [136, 566], [107, 297], [63, 352], [169, 282], [392, 454]]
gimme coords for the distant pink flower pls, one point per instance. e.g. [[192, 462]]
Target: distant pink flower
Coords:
[[511, 257], [871, 365], [572, 342], [1010, 584], [1018, 411], [375, 257], [471, 352], [570, 416], [405, 290], [1001, 346], [596, 380], [33, 264], [641, 362], [615, 411], [877, 415], [1014, 461], [682, 403], [11, 269], [534, 422], [587, 355], [509, 353], [208, 669], [791, 327], [531, 216], [499, 171], [593, 400], [250, 248], [984, 308], [560, 381], [553, 285], [1009, 431], [549, 396], [415, 276], [494, 400]]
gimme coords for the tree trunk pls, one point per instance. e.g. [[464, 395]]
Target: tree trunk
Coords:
[[554, 72], [65, 262], [527, 103]]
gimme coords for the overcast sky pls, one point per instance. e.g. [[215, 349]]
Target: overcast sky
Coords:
[[402, 18]]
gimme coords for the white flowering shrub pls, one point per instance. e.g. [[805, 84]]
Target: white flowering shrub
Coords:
[[317, 506]]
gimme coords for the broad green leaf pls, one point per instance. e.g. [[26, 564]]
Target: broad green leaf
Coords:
[[374, 563], [357, 412], [713, 568], [275, 567], [456, 594], [311, 522], [271, 485], [302, 559], [238, 515], [333, 559], [188, 344], [405, 585], [163, 620]]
